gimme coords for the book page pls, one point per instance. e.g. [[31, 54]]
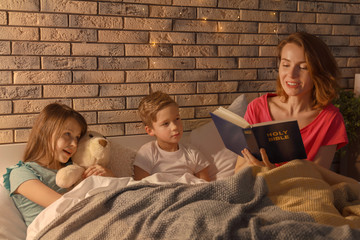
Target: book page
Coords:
[[272, 122], [231, 117]]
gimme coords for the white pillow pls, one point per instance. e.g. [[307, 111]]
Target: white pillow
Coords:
[[207, 139], [12, 226]]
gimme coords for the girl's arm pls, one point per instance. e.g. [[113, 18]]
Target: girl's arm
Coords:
[[97, 170], [140, 173], [38, 192], [203, 174], [325, 156]]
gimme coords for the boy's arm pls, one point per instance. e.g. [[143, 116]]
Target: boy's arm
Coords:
[[140, 173], [203, 174]]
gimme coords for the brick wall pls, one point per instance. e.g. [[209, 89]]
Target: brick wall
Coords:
[[101, 57]]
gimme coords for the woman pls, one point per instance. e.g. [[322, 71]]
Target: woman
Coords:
[[306, 85]]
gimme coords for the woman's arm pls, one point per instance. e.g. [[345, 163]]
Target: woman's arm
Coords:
[[38, 192], [325, 156], [140, 173], [203, 174]]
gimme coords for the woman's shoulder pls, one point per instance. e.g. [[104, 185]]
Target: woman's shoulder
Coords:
[[328, 116], [263, 99], [260, 106], [331, 110]]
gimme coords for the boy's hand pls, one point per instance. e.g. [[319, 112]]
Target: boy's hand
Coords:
[[97, 170]]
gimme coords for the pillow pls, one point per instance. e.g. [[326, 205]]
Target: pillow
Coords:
[[12, 225], [207, 139], [121, 160]]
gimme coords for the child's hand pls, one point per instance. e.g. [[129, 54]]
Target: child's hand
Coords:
[[98, 171]]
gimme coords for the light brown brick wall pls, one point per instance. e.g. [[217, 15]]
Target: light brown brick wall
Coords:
[[101, 57]]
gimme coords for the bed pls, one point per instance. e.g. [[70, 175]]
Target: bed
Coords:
[[295, 201]]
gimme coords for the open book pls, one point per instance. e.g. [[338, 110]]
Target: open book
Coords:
[[281, 139]]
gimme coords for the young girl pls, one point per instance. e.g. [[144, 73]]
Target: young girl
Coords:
[[52, 142]]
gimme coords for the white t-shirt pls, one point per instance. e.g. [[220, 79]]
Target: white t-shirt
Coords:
[[153, 159]]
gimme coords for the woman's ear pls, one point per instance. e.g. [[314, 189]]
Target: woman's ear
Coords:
[[149, 131]]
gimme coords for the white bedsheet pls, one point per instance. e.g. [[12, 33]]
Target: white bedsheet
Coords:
[[92, 185]]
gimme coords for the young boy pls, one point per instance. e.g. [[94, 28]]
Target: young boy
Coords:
[[160, 115]]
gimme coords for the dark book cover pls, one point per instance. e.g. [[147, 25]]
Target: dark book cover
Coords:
[[282, 141]]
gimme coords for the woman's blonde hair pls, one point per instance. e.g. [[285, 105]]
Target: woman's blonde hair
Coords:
[[47, 128], [150, 105], [321, 65]]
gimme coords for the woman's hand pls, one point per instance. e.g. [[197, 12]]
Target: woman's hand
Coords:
[[97, 170], [251, 160]]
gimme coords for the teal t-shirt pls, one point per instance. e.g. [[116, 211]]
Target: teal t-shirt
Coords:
[[23, 172]]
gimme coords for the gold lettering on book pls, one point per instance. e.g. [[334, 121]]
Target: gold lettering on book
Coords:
[[278, 136]]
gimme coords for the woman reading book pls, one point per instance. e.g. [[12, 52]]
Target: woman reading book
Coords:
[[305, 86]]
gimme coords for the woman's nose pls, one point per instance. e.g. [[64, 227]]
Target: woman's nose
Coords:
[[294, 71]]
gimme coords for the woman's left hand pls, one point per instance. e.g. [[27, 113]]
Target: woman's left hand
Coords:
[[251, 160], [97, 170]]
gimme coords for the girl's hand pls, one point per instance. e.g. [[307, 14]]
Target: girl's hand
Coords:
[[251, 160], [97, 170]]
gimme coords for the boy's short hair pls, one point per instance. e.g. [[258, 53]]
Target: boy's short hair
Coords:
[[150, 105]]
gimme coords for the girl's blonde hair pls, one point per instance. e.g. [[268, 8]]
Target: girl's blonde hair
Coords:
[[47, 128], [321, 65], [150, 105]]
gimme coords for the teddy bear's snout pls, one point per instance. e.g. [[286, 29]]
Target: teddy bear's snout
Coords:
[[103, 142]]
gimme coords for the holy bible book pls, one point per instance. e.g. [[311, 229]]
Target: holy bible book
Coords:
[[281, 139]]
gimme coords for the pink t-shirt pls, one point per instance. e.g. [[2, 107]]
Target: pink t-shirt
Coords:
[[327, 128]]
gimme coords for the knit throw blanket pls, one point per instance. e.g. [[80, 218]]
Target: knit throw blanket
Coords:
[[298, 200]]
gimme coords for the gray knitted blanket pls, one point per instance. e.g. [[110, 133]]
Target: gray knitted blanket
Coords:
[[290, 202]]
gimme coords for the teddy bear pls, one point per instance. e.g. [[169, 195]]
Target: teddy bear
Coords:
[[93, 148]]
